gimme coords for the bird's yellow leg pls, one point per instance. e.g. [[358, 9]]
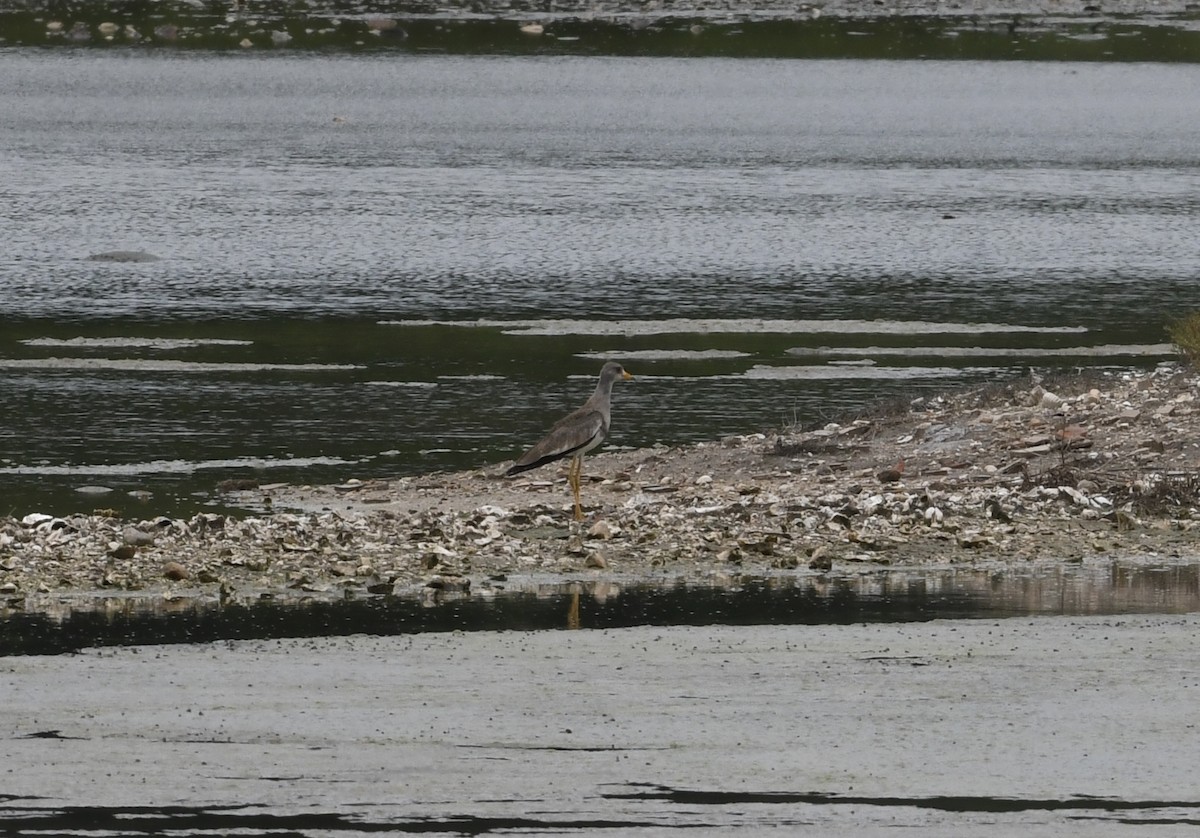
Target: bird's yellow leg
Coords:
[[575, 474]]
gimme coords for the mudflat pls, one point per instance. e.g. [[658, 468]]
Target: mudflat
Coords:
[[957, 727]]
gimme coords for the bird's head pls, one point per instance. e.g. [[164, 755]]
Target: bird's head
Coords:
[[613, 371]]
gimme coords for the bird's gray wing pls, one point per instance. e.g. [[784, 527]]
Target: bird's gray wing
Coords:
[[573, 433]]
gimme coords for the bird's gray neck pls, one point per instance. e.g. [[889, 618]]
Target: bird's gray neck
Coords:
[[601, 400]]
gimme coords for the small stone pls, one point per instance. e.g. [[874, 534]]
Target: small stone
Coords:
[[764, 546], [137, 538], [1050, 401], [602, 529], [972, 539], [733, 555], [821, 559], [175, 571], [992, 509], [596, 560], [1124, 521], [449, 583], [893, 474]]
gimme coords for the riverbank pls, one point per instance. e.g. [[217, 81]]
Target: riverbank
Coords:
[[1071, 469], [1120, 30]]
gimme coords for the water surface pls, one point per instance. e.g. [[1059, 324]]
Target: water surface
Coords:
[[382, 264]]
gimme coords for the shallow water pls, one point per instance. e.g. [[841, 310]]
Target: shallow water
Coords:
[[375, 265], [63, 624]]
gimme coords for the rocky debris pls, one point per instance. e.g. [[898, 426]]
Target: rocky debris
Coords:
[[1063, 470]]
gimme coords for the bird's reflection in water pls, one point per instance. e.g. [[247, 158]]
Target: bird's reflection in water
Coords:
[[573, 609]]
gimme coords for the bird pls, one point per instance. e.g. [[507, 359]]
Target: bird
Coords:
[[576, 433]]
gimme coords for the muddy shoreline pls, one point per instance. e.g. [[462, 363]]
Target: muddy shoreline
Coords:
[[638, 731], [1121, 30], [1075, 469]]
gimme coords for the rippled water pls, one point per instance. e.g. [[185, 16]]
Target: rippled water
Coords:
[[377, 265]]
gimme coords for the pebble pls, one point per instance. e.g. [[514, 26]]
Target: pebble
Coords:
[[596, 561], [602, 529], [136, 537]]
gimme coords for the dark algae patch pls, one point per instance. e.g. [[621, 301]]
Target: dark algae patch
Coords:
[[940, 803], [251, 820]]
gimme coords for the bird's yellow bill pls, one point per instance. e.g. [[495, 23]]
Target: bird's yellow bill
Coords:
[[627, 375]]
